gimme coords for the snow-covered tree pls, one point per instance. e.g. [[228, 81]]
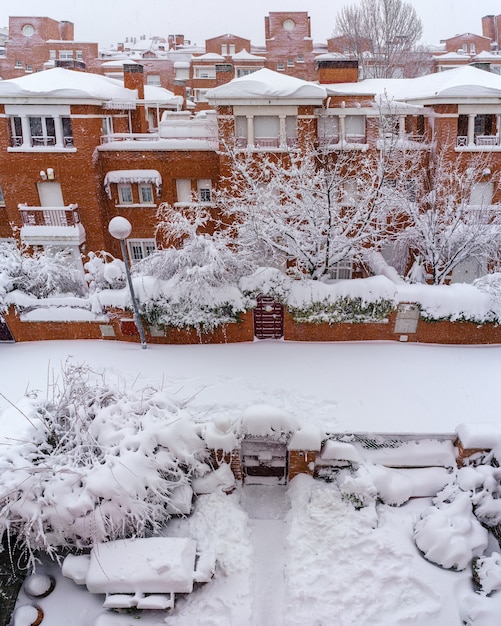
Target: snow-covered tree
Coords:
[[99, 461], [382, 34], [446, 215], [195, 283], [306, 211]]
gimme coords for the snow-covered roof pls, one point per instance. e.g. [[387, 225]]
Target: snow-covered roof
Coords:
[[210, 56], [132, 176], [266, 84], [455, 84], [69, 84], [153, 93], [243, 55], [452, 56]]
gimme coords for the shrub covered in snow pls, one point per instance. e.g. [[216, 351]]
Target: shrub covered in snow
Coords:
[[487, 572], [100, 462], [448, 533], [41, 274]]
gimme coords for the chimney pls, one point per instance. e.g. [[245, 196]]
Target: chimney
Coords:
[[224, 73], [180, 90], [67, 31], [133, 79], [489, 27], [337, 71]]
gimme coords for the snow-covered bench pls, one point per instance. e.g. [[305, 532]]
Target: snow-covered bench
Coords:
[[141, 573]]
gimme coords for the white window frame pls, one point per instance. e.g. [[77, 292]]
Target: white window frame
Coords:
[[290, 62], [52, 55], [19, 65], [206, 72], [145, 191], [139, 249], [199, 95], [66, 55], [29, 68], [232, 49], [2, 199], [280, 67], [125, 193], [224, 49], [79, 55]]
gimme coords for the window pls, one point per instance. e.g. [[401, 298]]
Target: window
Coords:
[[204, 190], [481, 194], [107, 125], [472, 48], [52, 55], [66, 55], [79, 55], [19, 65], [224, 49], [465, 47], [199, 95], [205, 72], [328, 129], [280, 67], [153, 79], [232, 48], [183, 190], [124, 194], [342, 270], [2, 200], [67, 132], [140, 248], [266, 131], [290, 62], [145, 194], [42, 131], [245, 71], [29, 69], [300, 58], [350, 189], [355, 128]]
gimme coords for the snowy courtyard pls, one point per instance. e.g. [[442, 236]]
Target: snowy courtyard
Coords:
[[286, 555]]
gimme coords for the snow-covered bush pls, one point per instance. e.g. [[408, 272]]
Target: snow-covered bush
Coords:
[[41, 274], [103, 271], [448, 533], [99, 462], [487, 573]]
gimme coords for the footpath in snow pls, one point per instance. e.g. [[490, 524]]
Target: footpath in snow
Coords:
[[267, 506]]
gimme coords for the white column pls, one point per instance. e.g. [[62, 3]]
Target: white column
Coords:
[[342, 128], [471, 129], [498, 129], [282, 132], [25, 125], [401, 127], [250, 131], [59, 132]]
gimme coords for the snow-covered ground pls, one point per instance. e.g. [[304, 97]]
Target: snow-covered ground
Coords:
[[299, 555]]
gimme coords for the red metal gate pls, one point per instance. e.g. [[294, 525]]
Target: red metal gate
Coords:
[[268, 319]]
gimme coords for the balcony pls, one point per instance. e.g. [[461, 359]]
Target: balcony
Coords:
[[112, 137], [44, 226]]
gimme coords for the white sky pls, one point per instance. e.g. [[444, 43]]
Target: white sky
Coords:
[[112, 20]]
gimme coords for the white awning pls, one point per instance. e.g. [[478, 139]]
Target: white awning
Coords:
[[132, 176]]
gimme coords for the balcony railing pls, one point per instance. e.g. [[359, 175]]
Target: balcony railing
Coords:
[[480, 140], [49, 216], [266, 142], [129, 137], [16, 141]]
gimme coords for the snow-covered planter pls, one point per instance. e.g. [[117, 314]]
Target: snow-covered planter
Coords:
[[27, 615], [344, 309], [448, 533], [39, 585]]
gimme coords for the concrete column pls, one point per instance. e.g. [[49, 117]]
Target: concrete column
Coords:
[[282, 132], [25, 125], [471, 129], [250, 131], [342, 128], [59, 132]]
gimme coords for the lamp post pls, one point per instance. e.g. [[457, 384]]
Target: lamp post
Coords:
[[120, 228]]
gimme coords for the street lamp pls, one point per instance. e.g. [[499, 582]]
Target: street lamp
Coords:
[[120, 228]]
